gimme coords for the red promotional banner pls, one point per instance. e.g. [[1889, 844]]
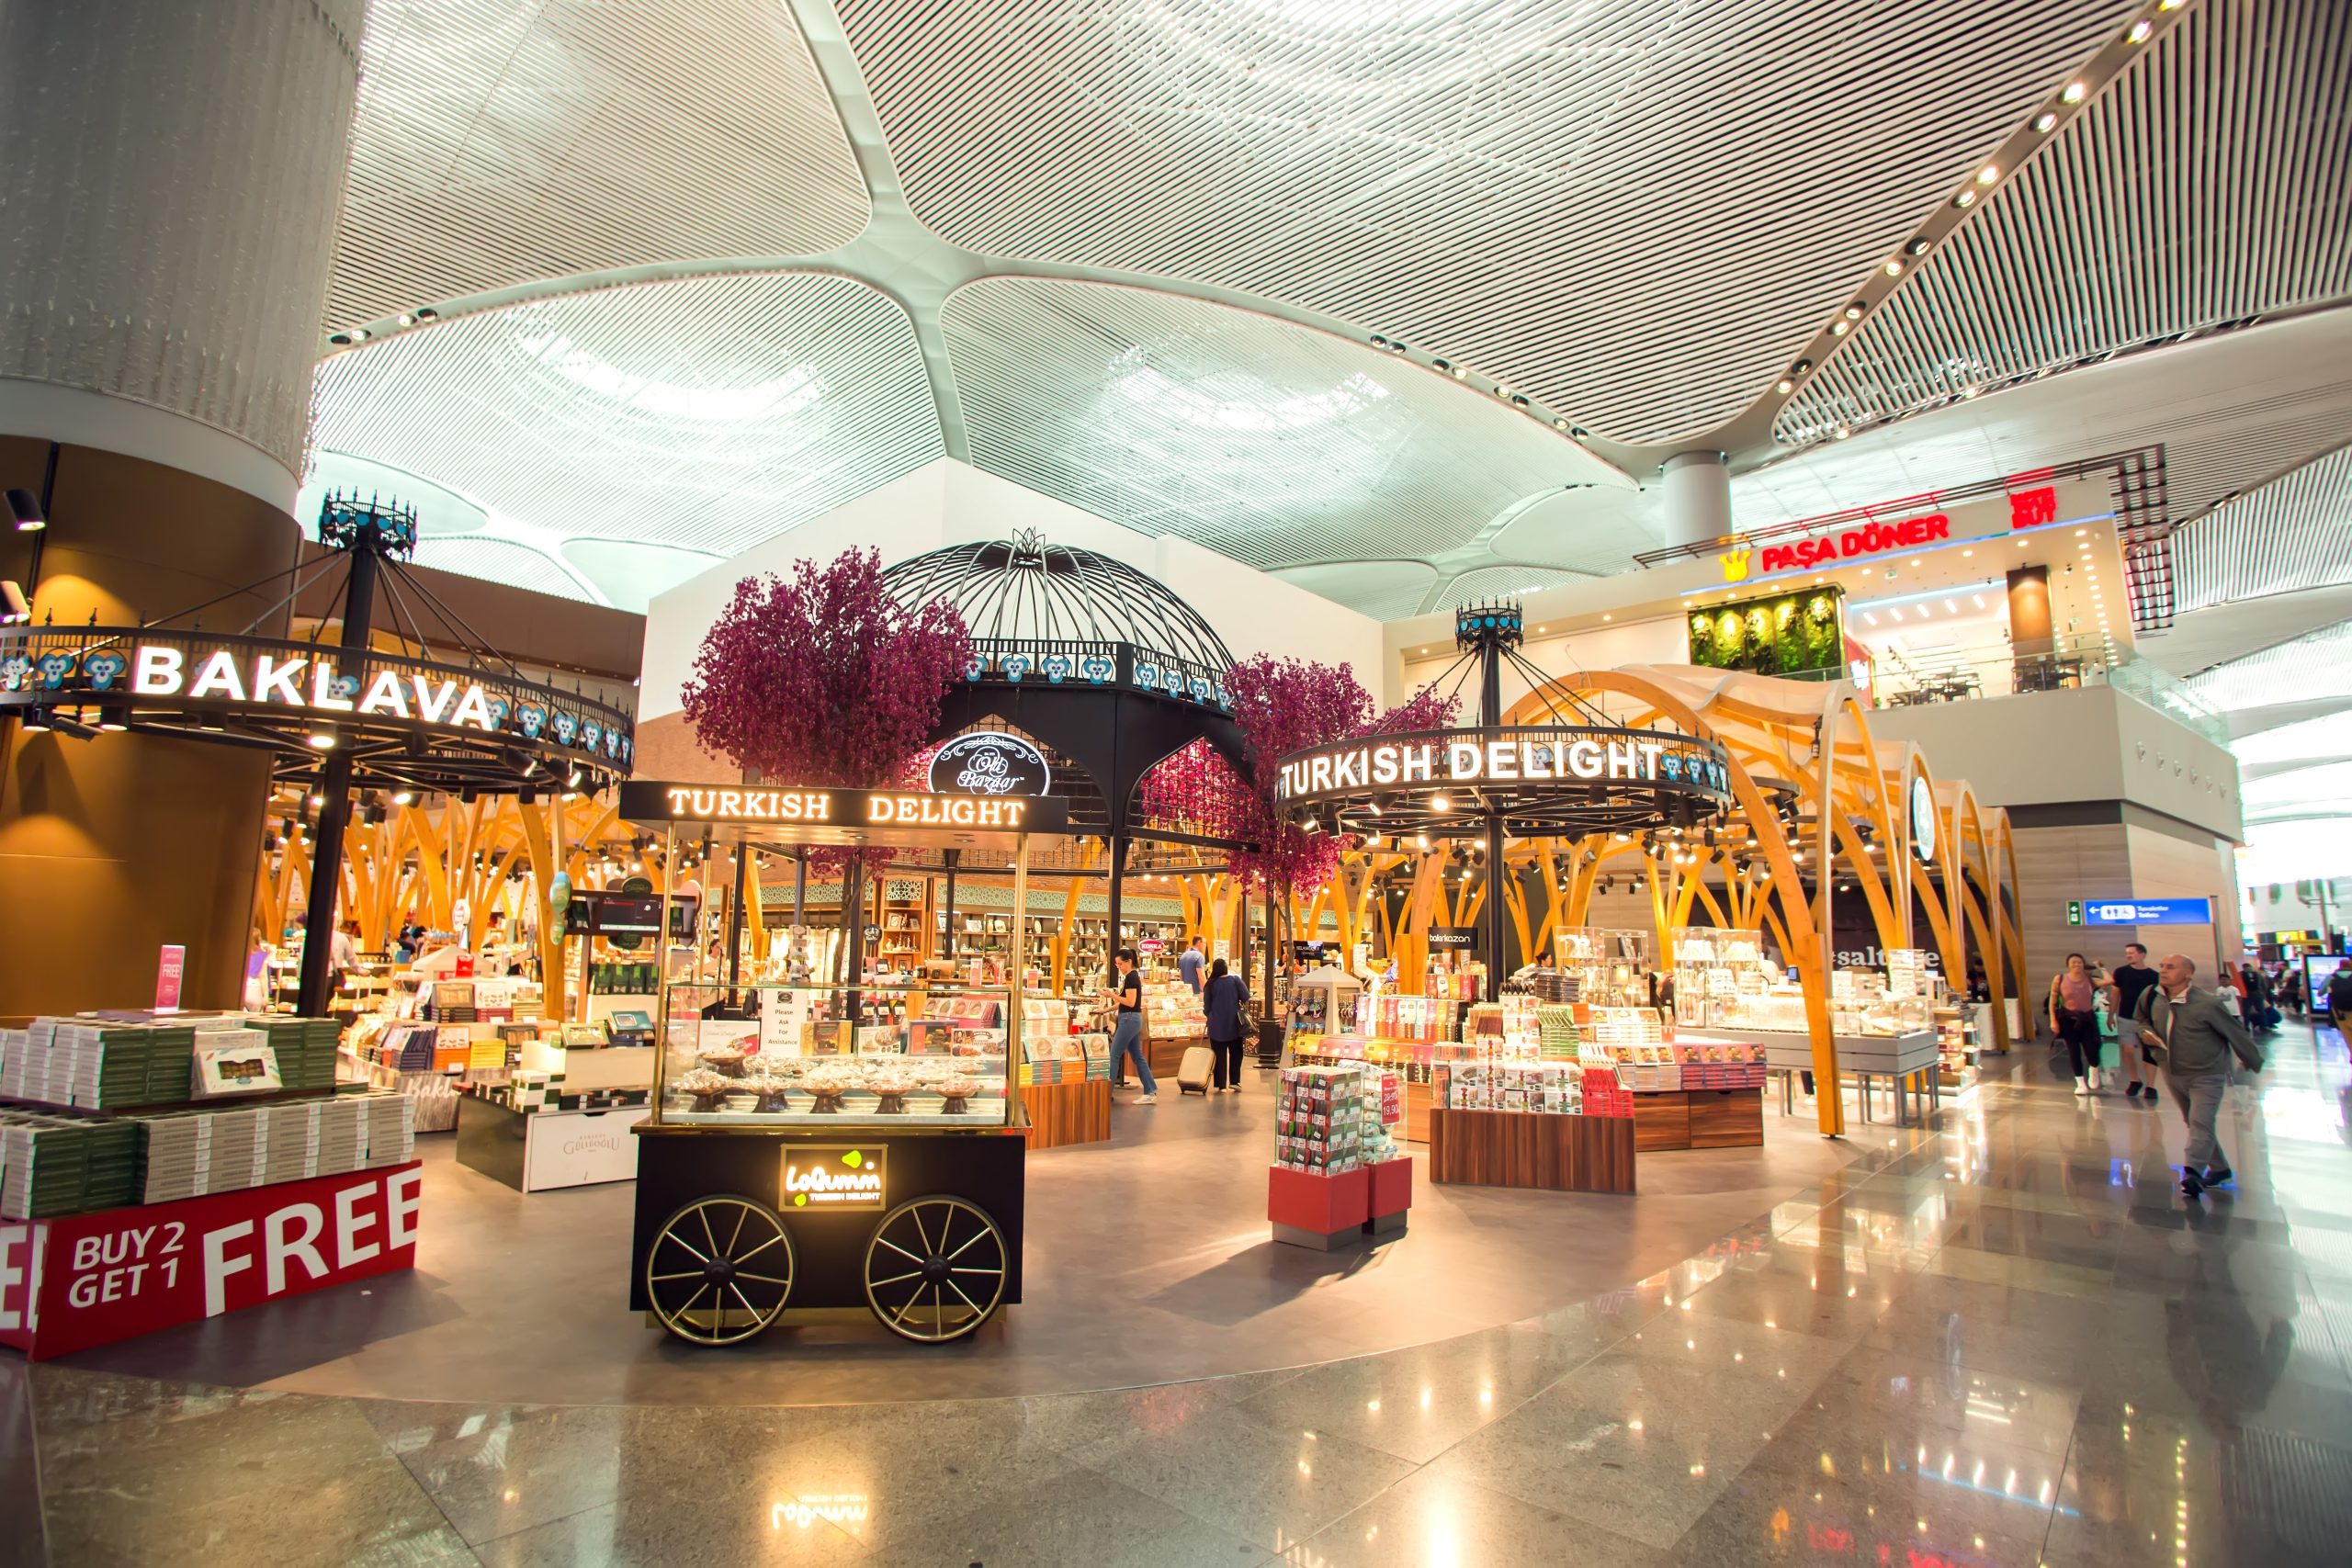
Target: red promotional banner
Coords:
[[67, 1284]]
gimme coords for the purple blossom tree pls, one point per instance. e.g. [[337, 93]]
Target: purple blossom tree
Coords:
[[825, 679]]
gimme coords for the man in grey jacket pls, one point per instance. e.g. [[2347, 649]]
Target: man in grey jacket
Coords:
[[2197, 1037]]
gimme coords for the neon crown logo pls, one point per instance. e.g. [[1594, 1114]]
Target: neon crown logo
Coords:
[[1736, 560]]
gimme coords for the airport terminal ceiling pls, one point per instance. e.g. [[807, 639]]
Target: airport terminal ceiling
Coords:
[[1405, 301]]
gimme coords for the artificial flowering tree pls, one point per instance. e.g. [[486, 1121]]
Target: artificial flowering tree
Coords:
[[825, 678], [1280, 707]]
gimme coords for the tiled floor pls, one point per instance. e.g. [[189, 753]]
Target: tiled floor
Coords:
[[2005, 1340]]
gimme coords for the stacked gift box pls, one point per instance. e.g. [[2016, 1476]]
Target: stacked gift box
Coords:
[[1722, 1066], [1603, 1094], [102, 1064], [1383, 1100], [304, 1047], [1545, 1088], [1555, 1024], [55, 1162], [1319, 1119], [187, 1154], [450, 1001]]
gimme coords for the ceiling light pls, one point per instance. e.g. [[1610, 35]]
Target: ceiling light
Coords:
[[1605, 617], [405, 797], [2021, 544], [405, 318], [1559, 424], [2074, 93], [1870, 618], [1894, 268], [2140, 30], [2080, 532], [1915, 560], [1439, 803], [1952, 607], [1839, 327], [317, 800], [1980, 600], [359, 334], [323, 738], [1988, 174], [2045, 120], [1965, 199], [427, 313], [1842, 431], [1970, 392], [114, 719], [14, 609], [1784, 385], [1965, 554], [1894, 610], [1462, 372], [25, 510], [1854, 312]]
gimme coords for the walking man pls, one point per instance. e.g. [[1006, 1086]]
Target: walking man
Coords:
[[2189, 1031], [2134, 978], [1194, 959]]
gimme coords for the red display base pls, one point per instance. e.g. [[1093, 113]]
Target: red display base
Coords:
[[1312, 1210], [84, 1280]]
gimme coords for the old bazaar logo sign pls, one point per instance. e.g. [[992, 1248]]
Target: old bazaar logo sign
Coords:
[[834, 1176], [990, 763]]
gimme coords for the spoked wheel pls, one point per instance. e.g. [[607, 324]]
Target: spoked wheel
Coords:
[[935, 1268], [720, 1269]]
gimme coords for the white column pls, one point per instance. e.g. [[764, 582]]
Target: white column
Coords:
[[172, 185], [1698, 497]]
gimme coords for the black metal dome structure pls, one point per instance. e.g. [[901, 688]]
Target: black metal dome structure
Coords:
[[1054, 614], [1088, 655]]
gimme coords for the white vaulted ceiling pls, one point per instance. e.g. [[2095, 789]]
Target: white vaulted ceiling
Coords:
[[1276, 445], [605, 429], [1404, 299]]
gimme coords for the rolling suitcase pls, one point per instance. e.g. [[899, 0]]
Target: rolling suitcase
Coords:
[[1193, 1073]]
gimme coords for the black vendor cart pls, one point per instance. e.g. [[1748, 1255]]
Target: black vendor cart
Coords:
[[815, 1145]]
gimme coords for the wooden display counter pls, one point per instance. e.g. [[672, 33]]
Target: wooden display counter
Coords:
[[1065, 1113], [1516, 1148], [1698, 1118]]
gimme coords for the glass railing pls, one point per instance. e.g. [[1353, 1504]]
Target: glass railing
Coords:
[[1960, 674]]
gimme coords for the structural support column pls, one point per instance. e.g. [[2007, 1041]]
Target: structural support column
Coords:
[[1698, 497], [174, 177]]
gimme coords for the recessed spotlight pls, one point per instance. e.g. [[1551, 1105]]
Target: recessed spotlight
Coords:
[[1965, 199], [2045, 120], [1842, 431], [2074, 93], [1606, 617], [1518, 400], [1965, 554], [2021, 544], [1559, 424], [1442, 363], [1395, 348], [1915, 560], [404, 319], [1988, 174], [1462, 372], [1970, 392], [1894, 268], [339, 338], [1854, 312], [427, 313], [1379, 342], [1840, 327], [1784, 385], [2141, 30]]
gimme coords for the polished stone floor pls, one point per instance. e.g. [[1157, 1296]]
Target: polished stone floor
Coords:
[[2003, 1339]]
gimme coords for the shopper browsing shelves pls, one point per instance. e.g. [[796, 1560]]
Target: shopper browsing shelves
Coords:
[[1126, 1033]]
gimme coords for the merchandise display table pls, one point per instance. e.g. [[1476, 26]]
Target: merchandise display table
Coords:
[[1065, 1113], [1322, 1212], [1515, 1148], [79, 1281], [536, 1150], [1900, 1059], [1698, 1118]]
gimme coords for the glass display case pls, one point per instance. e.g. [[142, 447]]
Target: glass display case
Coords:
[[836, 1057], [1611, 968]]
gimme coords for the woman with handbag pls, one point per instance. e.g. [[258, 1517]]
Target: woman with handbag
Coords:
[[2073, 1020], [1226, 1002]]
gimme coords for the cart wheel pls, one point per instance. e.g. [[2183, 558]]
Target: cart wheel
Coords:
[[935, 1268], [720, 1269]]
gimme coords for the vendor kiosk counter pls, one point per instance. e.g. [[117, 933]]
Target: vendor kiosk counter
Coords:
[[817, 1146]]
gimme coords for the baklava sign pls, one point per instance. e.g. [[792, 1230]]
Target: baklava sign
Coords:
[[834, 1177]]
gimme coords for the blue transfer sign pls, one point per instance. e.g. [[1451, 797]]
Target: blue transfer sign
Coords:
[[2147, 911]]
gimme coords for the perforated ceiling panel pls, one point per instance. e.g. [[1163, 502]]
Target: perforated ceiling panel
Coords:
[[1385, 590], [494, 560], [2209, 183], [1272, 444], [1632, 210], [2307, 669], [2231, 411], [708, 413], [2325, 738], [498, 143], [2291, 534]]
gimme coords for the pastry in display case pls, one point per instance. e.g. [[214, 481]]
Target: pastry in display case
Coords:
[[832, 1055]]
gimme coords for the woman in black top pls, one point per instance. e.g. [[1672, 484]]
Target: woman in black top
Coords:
[[1222, 999], [1127, 1030]]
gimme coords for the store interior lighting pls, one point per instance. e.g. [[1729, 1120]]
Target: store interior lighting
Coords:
[[15, 608], [24, 509]]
